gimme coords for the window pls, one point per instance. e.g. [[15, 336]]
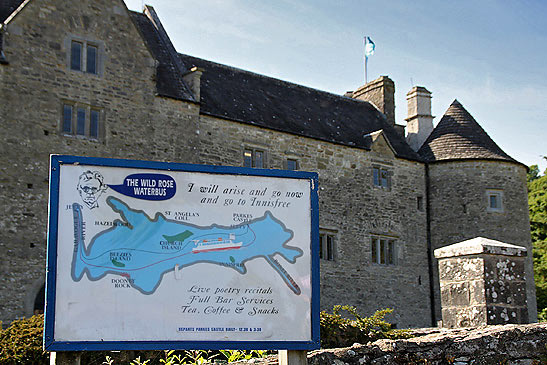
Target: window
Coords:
[[76, 56], [81, 120], [67, 119], [292, 164], [253, 158], [94, 124], [381, 177], [84, 56], [420, 203], [383, 251], [494, 200], [326, 246], [91, 59]]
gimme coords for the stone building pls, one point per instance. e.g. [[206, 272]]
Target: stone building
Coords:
[[92, 78]]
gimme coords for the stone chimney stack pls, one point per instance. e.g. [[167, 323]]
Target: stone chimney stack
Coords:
[[381, 93], [419, 123]]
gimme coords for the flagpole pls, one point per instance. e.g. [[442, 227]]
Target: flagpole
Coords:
[[366, 60]]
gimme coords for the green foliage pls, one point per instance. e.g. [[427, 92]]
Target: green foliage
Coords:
[[338, 331], [540, 273], [537, 201], [542, 315], [533, 173], [21, 342], [237, 355], [138, 361], [198, 357]]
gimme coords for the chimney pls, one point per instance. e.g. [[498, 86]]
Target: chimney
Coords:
[[381, 93], [419, 123], [193, 80]]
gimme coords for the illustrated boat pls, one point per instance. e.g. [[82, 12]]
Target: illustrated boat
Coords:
[[216, 245]]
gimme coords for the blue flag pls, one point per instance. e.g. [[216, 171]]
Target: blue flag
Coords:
[[369, 47]]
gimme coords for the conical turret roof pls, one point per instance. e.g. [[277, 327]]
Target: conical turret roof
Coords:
[[459, 136]]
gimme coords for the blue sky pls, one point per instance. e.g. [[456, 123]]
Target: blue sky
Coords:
[[490, 55]]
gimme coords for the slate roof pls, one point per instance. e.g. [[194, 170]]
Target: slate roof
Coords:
[[169, 74], [250, 98], [458, 136], [7, 7]]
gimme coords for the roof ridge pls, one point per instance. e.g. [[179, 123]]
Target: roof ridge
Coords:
[[285, 82], [151, 14], [169, 77]]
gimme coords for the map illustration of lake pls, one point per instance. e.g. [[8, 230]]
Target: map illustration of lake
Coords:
[[142, 249]]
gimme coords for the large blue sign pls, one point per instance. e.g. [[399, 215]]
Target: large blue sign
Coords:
[[150, 255]]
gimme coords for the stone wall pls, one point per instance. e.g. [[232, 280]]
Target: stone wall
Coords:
[[458, 209], [509, 344], [33, 87], [352, 208]]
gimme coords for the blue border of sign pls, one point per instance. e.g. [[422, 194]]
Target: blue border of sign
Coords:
[[49, 335]]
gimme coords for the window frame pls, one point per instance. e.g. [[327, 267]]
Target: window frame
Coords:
[[326, 253], [75, 129], [498, 194], [420, 206], [64, 120], [85, 44], [80, 55], [81, 121], [99, 113], [384, 250], [96, 63], [254, 153], [381, 174], [296, 164]]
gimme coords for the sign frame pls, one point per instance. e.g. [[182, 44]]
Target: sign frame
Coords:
[[50, 344]]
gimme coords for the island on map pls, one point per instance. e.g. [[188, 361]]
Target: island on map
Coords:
[[144, 249]]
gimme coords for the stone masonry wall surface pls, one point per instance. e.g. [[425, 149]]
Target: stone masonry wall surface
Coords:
[[381, 93], [458, 204], [505, 289], [33, 87], [510, 344], [482, 289], [491, 345], [462, 292], [352, 209]]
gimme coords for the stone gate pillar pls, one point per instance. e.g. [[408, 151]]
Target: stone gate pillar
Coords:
[[482, 282]]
